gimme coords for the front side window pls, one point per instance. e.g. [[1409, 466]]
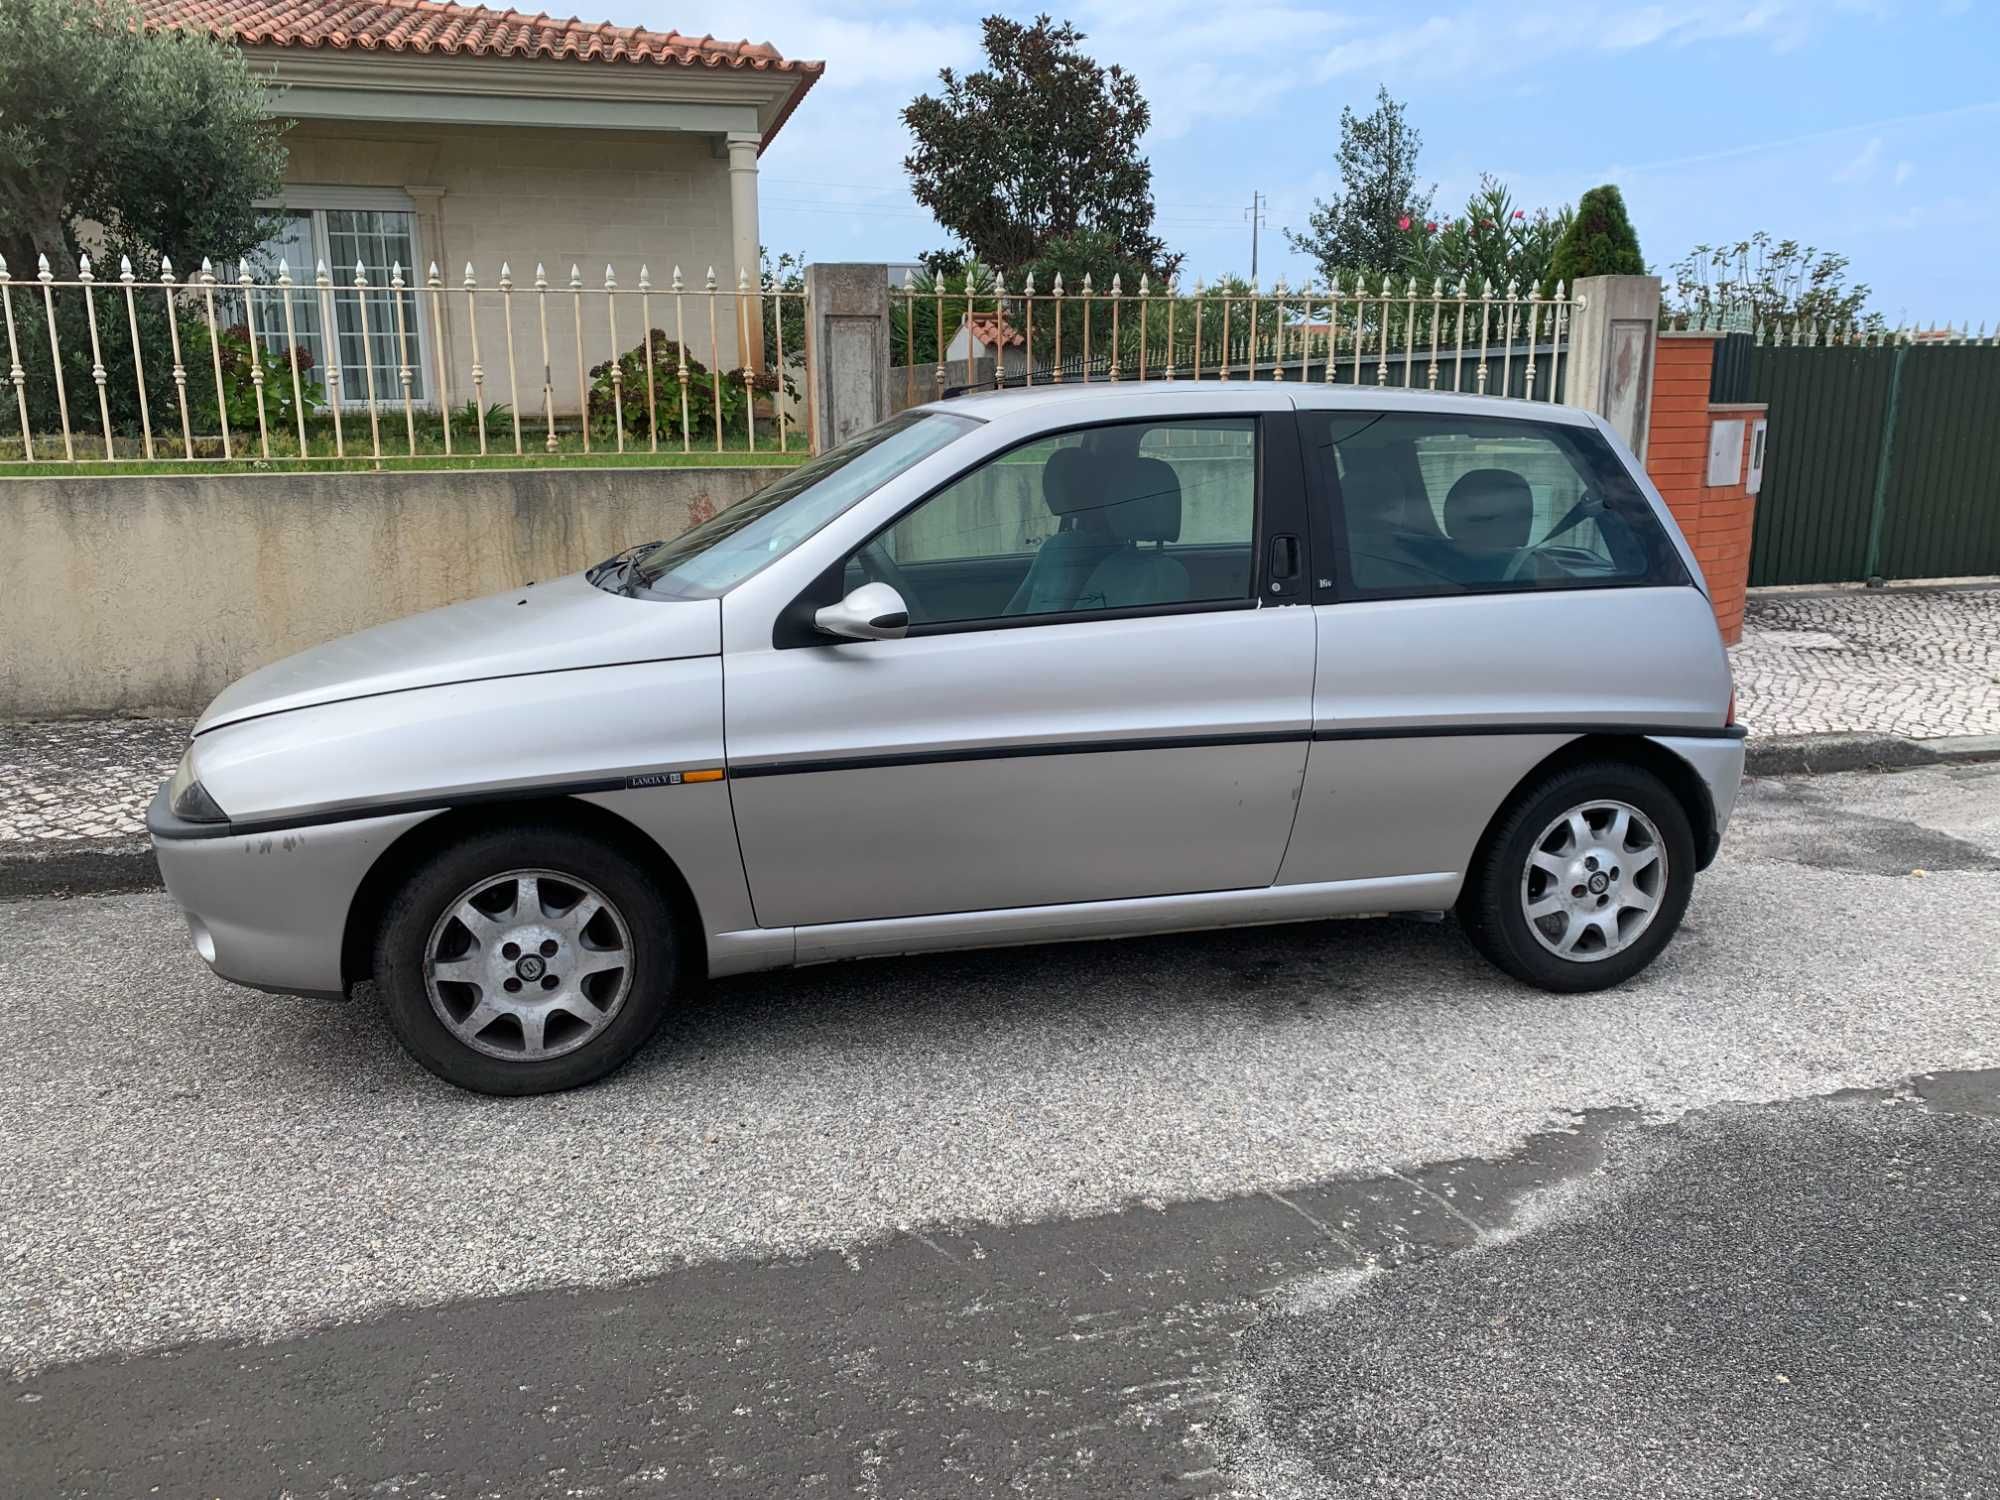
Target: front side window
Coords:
[[1452, 505], [1126, 516], [715, 556]]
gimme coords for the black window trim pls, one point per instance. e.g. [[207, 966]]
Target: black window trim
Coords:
[[1333, 575], [1283, 490]]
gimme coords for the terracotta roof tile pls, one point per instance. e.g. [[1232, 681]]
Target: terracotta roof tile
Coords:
[[438, 28], [991, 329]]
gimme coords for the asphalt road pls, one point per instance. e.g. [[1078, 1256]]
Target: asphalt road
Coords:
[[1308, 1210]]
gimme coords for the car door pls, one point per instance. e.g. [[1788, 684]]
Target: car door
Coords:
[[1489, 588], [1105, 691]]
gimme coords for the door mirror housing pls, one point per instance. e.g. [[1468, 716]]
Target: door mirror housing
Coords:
[[873, 612]]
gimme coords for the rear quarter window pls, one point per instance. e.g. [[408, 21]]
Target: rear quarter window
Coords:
[[1425, 505]]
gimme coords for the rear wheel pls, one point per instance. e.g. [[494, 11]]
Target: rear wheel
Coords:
[[525, 960], [1584, 879]]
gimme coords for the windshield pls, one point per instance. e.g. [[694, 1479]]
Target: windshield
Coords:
[[720, 553]]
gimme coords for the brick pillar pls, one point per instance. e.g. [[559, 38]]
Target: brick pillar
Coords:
[[1701, 470]]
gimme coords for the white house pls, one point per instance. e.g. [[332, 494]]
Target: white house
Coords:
[[455, 134]]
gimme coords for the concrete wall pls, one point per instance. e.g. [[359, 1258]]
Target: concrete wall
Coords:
[[562, 197], [149, 595]]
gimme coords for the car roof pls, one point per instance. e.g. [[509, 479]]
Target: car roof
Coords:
[[1131, 398]]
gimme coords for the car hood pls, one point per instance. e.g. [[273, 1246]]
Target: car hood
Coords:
[[548, 627]]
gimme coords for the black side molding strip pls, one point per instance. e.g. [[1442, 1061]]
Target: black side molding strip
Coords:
[[742, 769], [161, 822], [1459, 731]]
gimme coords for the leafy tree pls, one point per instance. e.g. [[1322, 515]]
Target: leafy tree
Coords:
[[1600, 240], [1770, 281], [162, 141], [1041, 143], [1358, 228], [163, 138]]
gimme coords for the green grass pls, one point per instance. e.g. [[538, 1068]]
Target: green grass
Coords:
[[88, 467]]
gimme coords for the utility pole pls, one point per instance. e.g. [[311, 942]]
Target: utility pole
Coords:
[[1255, 214]]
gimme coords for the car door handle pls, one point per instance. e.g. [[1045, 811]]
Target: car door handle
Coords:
[[1284, 563]]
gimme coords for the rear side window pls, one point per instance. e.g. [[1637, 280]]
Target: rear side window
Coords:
[[1458, 505]]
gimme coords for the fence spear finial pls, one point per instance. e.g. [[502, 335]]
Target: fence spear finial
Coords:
[[1086, 284], [125, 268], [1028, 290], [470, 279], [1145, 285], [742, 281], [575, 274], [645, 278], [42, 268], [610, 280], [1058, 285], [677, 283], [1116, 289]]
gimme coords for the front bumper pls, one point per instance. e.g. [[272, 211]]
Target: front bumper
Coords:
[[269, 910]]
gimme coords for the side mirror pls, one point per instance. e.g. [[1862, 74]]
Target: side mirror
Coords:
[[873, 612]]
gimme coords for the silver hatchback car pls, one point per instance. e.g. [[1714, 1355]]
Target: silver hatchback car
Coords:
[[1050, 664]]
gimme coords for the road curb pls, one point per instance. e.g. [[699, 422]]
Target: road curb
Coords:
[[1825, 754], [80, 868], [115, 866]]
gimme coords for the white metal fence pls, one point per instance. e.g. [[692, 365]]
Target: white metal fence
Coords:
[[1485, 340], [374, 364]]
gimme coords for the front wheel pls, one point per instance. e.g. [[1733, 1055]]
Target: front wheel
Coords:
[[526, 959], [1584, 879]]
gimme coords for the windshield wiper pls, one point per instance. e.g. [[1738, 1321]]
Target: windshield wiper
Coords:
[[615, 574]]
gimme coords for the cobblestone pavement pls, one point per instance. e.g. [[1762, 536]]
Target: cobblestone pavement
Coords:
[[1915, 663], [83, 779]]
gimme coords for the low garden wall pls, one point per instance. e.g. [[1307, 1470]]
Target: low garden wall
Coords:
[[149, 594]]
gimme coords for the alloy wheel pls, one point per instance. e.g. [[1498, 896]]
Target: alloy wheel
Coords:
[[528, 965], [1594, 881]]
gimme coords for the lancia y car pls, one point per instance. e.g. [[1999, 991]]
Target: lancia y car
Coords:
[[1062, 663]]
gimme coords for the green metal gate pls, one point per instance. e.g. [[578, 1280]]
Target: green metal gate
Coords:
[[1883, 458]]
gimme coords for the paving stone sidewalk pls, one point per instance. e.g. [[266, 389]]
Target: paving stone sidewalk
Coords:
[[1899, 664], [1918, 664]]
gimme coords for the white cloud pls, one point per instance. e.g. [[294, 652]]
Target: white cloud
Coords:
[[1441, 45], [1861, 166], [1904, 171]]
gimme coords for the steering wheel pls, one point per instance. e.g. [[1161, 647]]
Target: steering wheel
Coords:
[[881, 568]]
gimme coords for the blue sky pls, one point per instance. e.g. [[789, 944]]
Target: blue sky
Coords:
[[1869, 128]]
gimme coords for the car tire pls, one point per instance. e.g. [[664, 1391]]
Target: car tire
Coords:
[[526, 959], [1604, 854]]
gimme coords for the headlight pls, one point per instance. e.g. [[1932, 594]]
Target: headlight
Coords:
[[189, 799]]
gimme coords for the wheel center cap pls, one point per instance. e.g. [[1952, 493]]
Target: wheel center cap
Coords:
[[530, 966], [1599, 884]]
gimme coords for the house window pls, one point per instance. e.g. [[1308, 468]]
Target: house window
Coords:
[[342, 230]]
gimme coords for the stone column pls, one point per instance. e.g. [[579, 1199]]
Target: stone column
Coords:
[[1612, 339], [847, 350], [743, 242]]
